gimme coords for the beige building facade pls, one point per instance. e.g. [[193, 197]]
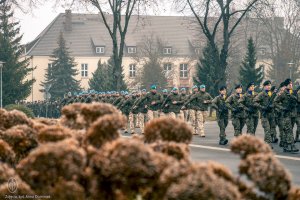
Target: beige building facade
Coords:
[[88, 42]]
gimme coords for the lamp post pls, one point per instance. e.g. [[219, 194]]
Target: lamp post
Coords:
[[1, 66], [290, 68]]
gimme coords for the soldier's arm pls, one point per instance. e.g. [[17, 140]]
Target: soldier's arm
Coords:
[[257, 101], [192, 97], [228, 103], [277, 102], [215, 103], [243, 102]]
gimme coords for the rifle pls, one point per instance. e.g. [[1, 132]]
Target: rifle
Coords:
[[269, 105]]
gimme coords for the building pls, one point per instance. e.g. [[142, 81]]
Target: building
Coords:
[[88, 41]]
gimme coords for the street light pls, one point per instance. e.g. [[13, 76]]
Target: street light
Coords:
[[290, 67], [1, 66]]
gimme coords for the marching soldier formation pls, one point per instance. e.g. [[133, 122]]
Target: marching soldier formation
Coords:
[[274, 107]]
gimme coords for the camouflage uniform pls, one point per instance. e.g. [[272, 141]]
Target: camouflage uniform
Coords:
[[126, 110], [297, 138], [262, 101], [237, 113], [154, 101], [251, 111], [174, 102], [184, 112], [219, 104], [165, 110], [285, 103], [140, 106], [200, 102]]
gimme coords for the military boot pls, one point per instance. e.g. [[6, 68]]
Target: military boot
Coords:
[[274, 139], [281, 143], [223, 141], [290, 148], [297, 139]]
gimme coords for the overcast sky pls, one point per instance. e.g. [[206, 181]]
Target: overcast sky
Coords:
[[32, 24]]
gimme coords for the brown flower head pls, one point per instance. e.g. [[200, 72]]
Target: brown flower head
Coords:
[[167, 129], [247, 144], [105, 129]]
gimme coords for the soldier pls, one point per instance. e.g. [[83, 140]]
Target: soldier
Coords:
[[247, 102], [285, 102], [154, 101], [191, 108], [278, 116], [174, 102], [201, 101], [140, 105], [264, 101], [164, 109], [126, 108], [297, 138], [237, 111], [219, 105], [184, 97], [132, 114]]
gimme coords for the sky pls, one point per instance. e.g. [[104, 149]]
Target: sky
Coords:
[[35, 21]]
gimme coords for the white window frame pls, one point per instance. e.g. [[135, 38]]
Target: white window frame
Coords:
[[131, 50], [132, 70], [84, 70], [183, 70], [100, 50], [167, 68], [197, 50], [167, 50]]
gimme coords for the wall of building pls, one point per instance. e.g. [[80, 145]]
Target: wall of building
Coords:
[[40, 63]]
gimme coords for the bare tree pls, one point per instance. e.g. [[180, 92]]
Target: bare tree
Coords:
[[214, 16], [282, 36]]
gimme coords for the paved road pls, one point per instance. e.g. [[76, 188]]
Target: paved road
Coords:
[[204, 149]]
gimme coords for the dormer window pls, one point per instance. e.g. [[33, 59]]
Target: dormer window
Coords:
[[167, 50], [131, 49], [100, 50], [197, 51]]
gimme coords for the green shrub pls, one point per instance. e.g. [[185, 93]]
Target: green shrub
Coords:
[[21, 108]]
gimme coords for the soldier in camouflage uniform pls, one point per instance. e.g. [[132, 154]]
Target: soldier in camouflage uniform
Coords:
[[285, 102], [200, 100], [297, 138], [126, 108], [191, 108], [278, 116], [154, 101], [219, 105], [264, 101], [237, 111], [247, 102], [184, 97], [140, 106], [164, 109], [174, 102]]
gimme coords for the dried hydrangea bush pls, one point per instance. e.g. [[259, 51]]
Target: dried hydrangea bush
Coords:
[[83, 156]]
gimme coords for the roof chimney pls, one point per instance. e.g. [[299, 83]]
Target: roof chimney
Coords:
[[68, 20]]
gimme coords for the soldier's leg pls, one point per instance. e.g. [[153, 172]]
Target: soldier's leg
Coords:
[[131, 123], [197, 122], [250, 125], [236, 126], [281, 133], [267, 130], [288, 136], [180, 115], [201, 123], [273, 130], [192, 115], [222, 126], [136, 121], [171, 115], [255, 120], [142, 119], [150, 115], [155, 114], [297, 138], [242, 124]]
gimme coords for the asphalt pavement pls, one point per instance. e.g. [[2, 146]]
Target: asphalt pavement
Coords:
[[205, 149]]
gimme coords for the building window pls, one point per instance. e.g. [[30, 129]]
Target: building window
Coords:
[[167, 69], [131, 49], [84, 70], [197, 51], [167, 50], [100, 50], [183, 70], [132, 70]]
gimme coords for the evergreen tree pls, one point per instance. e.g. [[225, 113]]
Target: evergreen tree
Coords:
[[206, 71], [48, 77], [111, 70], [153, 74], [63, 71], [103, 79], [248, 72], [16, 68]]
